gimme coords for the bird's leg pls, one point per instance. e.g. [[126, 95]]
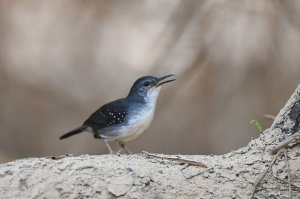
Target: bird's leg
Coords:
[[123, 148], [109, 148]]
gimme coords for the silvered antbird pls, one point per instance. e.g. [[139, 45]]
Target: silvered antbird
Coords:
[[125, 119]]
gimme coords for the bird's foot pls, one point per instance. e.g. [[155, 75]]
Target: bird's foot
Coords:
[[127, 151], [123, 151]]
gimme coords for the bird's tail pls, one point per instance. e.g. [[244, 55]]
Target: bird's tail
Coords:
[[74, 132]]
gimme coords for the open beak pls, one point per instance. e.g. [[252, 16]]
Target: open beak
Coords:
[[161, 82]]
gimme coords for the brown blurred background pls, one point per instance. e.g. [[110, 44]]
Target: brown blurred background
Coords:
[[60, 60]]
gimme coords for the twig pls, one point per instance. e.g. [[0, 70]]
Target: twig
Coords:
[[185, 161], [270, 117], [59, 157], [263, 174], [292, 138], [293, 185], [288, 172]]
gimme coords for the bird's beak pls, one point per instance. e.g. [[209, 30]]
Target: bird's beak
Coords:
[[160, 82]]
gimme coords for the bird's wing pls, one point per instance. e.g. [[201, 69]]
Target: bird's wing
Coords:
[[108, 115]]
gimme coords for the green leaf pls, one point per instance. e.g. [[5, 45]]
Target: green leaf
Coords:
[[257, 125]]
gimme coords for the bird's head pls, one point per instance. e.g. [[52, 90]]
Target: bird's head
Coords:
[[148, 87]]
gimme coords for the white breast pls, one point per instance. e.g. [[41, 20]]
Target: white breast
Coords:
[[141, 119]]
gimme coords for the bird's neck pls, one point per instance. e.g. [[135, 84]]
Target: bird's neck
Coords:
[[148, 99]]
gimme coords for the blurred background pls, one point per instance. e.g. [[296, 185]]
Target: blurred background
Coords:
[[60, 60]]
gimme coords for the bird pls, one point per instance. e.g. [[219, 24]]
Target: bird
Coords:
[[125, 119]]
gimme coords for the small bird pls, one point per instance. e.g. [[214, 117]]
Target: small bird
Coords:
[[125, 119]]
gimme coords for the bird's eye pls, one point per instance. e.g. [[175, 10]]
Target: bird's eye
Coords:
[[146, 84]]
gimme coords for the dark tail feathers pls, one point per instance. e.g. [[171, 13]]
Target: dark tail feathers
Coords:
[[73, 132]]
